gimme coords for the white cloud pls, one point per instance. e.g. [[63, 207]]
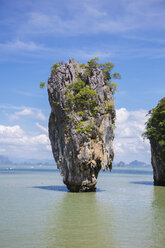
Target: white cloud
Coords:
[[44, 129], [40, 115], [109, 52], [23, 112], [83, 17], [129, 144], [88, 53], [36, 113], [10, 132], [15, 135], [93, 11], [20, 45], [122, 115], [137, 20], [104, 51], [15, 142]]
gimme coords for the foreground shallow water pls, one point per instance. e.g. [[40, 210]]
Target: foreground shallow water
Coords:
[[37, 211]]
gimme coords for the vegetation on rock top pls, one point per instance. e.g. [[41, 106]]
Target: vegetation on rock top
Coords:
[[93, 64], [81, 99], [106, 69]]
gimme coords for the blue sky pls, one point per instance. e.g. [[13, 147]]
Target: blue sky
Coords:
[[35, 34]]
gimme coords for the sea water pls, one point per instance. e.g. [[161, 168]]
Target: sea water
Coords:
[[37, 211]]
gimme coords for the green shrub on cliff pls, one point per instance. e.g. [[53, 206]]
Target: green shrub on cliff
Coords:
[[88, 127], [109, 107], [54, 67], [86, 98], [113, 87], [81, 97], [42, 84], [155, 126], [93, 63], [69, 99], [77, 85], [106, 69]]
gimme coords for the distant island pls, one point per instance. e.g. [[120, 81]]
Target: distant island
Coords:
[[134, 163], [4, 160]]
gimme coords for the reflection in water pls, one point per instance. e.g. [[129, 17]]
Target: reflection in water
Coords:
[[77, 222], [158, 223]]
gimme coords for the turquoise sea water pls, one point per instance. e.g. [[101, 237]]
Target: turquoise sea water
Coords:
[[37, 211]]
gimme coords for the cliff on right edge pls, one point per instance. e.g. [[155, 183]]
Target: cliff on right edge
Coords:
[[155, 132]]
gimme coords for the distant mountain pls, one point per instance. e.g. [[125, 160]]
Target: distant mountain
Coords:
[[38, 162], [18, 161], [137, 163], [134, 163], [120, 164], [4, 160]]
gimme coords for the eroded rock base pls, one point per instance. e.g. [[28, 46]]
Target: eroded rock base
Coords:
[[74, 188]]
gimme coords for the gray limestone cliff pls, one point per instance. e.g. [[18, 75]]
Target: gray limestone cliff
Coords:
[[81, 123], [155, 132], [158, 163]]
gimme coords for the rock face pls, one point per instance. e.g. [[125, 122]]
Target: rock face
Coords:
[[81, 123], [158, 164], [155, 132]]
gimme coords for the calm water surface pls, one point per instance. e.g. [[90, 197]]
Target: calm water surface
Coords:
[[37, 211]]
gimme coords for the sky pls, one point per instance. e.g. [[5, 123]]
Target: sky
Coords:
[[36, 34]]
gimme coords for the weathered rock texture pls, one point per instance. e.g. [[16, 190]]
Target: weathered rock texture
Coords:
[[158, 163], [155, 132], [81, 132]]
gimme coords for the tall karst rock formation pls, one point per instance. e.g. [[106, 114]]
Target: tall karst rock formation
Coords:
[[81, 122], [155, 132]]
